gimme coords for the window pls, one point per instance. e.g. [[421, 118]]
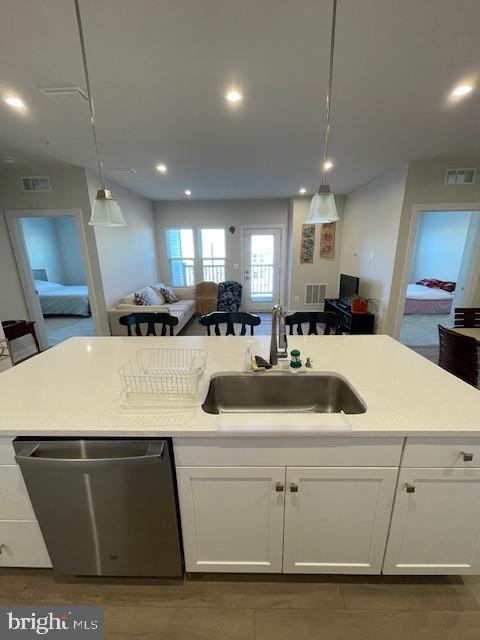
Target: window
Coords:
[[181, 255], [212, 251]]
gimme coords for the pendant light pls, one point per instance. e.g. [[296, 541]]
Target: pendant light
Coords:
[[322, 207], [105, 209]]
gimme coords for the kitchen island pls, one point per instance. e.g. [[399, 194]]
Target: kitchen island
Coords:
[[393, 490]]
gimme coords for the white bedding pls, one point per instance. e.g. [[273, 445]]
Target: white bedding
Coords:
[[420, 292], [59, 299]]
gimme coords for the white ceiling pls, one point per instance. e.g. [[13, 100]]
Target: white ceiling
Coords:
[[160, 67]]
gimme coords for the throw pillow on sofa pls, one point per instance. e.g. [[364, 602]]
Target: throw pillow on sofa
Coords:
[[143, 298], [168, 293], [157, 297]]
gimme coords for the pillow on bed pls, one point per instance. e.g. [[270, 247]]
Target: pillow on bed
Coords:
[[429, 282], [447, 286], [433, 283], [143, 298]]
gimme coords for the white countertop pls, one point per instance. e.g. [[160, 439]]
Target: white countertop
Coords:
[[75, 389]]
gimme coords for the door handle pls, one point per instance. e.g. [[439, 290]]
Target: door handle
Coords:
[[410, 488], [279, 487], [155, 450], [293, 487]]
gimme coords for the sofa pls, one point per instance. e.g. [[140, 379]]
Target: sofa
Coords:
[[184, 309]]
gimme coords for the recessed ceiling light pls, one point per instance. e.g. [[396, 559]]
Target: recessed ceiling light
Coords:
[[233, 95], [162, 168], [14, 102], [188, 192], [327, 165], [302, 191], [462, 90]]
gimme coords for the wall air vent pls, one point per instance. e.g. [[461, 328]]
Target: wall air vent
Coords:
[[36, 183], [460, 176], [121, 170], [64, 92], [315, 293]]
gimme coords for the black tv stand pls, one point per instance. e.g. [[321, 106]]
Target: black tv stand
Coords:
[[354, 323]]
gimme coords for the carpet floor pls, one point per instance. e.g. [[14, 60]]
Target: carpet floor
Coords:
[[422, 330]]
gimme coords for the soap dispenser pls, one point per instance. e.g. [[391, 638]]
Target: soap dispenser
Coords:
[[295, 361]]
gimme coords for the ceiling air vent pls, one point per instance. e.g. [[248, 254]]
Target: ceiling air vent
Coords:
[[315, 293], [460, 176], [64, 92], [36, 183]]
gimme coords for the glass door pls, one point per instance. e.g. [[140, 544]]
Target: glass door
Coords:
[[261, 279]]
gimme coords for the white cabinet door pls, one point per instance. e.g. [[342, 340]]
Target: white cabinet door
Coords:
[[336, 519], [232, 518], [436, 523]]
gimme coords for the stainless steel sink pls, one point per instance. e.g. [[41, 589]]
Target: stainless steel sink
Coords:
[[266, 392]]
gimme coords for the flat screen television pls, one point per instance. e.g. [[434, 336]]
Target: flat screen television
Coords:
[[348, 286]]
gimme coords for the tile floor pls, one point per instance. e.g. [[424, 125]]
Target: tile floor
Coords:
[[225, 607]]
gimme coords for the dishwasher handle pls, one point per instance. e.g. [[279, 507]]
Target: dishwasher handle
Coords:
[[26, 456]]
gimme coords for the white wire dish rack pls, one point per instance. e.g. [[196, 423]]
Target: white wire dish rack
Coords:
[[169, 374]]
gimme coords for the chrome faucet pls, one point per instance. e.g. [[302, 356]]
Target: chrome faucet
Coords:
[[278, 342]]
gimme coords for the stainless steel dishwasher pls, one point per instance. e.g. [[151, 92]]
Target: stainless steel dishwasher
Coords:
[[105, 507]]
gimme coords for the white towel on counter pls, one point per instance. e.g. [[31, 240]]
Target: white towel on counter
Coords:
[[282, 423]]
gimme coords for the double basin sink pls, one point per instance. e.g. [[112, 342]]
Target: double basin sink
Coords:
[[271, 392]]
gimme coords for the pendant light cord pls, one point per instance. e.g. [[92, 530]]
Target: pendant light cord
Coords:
[[329, 90], [89, 91]]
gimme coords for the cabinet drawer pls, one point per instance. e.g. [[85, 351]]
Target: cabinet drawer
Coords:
[[22, 545], [323, 451], [14, 500], [442, 452], [7, 454]]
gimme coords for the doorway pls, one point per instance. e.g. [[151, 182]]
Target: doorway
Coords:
[[50, 251], [440, 274], [262, 250]]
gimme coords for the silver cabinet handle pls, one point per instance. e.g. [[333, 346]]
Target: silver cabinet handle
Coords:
[[279, 487], [293, 487], [467, 457], [410, 488]]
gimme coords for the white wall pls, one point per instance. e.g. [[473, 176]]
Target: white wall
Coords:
[[321, 270], [53, 244], [440, 245], [370, 231], [70, 250], [425, 185], [127, 255], [218, 214], [42, 247]]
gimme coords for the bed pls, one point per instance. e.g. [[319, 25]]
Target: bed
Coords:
[[427, 300], [59, 299]]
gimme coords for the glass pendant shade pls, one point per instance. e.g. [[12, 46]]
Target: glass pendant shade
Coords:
[[322, 207], [105, 211]]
